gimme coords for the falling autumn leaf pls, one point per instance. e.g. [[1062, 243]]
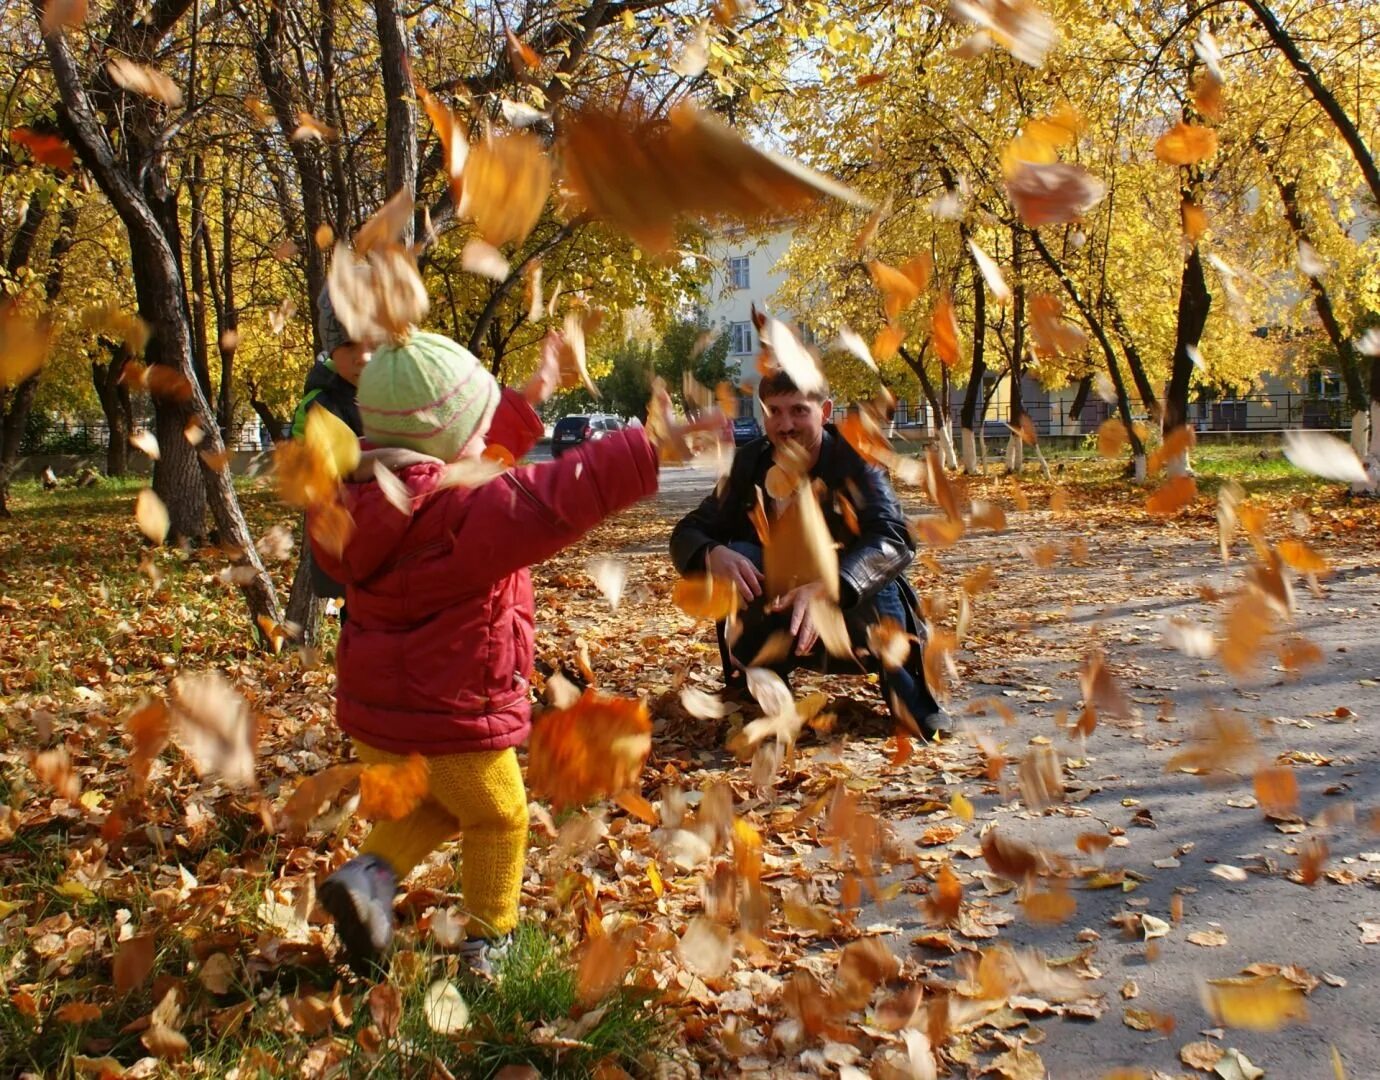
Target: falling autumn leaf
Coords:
[[1172, 496], [1186, 144], [143, 80], [24, 344], [593, 749], [944, 331], [1053, 193], [506, 181], [1254, 1003], [389, 791], [704, 596], [151, 515], [214, 727], [45, 148]]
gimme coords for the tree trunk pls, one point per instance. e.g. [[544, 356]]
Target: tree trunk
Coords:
[[974, 392], [1321, 94], [1373, 457], [305, 609], [1194, 304], [1123, 400], [162, 301], [946, 420], [1080, 396], [113, 394], [1015, 454], [1347, 359], [401, 103], [17, 402]]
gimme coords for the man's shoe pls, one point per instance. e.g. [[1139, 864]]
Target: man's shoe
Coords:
[[482, 955], [938, 724], [359, 897]]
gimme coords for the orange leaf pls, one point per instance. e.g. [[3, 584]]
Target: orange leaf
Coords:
[[45, 149], [945, 898], [133, 961], [389, 792], [1178, 441], [704, 596], [1186, 144], [1277, 790], [521, 51], [605, 962], [24, 344], [1195, 220], [944, 331], [637, 806], [591, 750], [1111, 437], [1050, 908], [1312, 858], [1172, 496], [1302, 557], [306, 801], [78, 1012]]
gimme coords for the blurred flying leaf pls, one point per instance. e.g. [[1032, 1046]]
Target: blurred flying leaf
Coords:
[[389, 791], [214, 727], [593, 749], [146, 81], [1254, 1003], [24, 344], [1325, 455], [1054, 193], [506, 182], [151, 515], [1186, 144]]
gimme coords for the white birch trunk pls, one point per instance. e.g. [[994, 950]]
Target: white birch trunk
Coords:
[[970, 461]]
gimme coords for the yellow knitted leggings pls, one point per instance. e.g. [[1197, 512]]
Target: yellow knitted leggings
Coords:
[[480, 795]]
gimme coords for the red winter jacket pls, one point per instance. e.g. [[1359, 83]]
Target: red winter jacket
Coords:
[[437, 650]]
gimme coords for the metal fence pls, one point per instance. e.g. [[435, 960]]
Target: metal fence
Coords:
[[1261, 412], [49, 435]]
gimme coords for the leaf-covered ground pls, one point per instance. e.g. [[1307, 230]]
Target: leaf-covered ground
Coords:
[[1156, 785]]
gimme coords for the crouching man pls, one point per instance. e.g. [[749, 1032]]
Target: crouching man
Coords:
[[864, 520]]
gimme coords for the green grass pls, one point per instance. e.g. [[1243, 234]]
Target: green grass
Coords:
[[523, 1017]]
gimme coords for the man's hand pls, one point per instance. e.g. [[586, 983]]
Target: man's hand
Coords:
[[543, 383], [802, 626], [722, 561]]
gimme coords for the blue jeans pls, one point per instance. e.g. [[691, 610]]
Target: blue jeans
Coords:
[[902, 688]]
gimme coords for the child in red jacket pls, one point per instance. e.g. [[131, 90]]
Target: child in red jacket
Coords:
[[437, 654]]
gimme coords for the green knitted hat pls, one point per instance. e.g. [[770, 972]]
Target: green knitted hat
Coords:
[[426, 394]]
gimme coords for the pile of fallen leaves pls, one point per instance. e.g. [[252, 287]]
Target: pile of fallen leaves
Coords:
[[824, 897]]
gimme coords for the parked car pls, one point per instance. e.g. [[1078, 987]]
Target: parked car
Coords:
[[571, 431], [745, 429]]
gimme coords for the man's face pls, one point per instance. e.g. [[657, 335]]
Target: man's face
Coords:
[[797, 418], [349, 361]]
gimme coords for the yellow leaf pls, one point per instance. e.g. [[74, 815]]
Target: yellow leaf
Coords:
[[654, 879], [328, 436], [1186, 144], [152, 516], [23, 344], [1257, 1003], [961, 807]]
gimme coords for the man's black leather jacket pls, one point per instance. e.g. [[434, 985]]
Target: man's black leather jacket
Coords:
[[869, 559]]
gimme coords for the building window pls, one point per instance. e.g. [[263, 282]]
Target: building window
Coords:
[[1324, 384], [738, 276], [740, 338]]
